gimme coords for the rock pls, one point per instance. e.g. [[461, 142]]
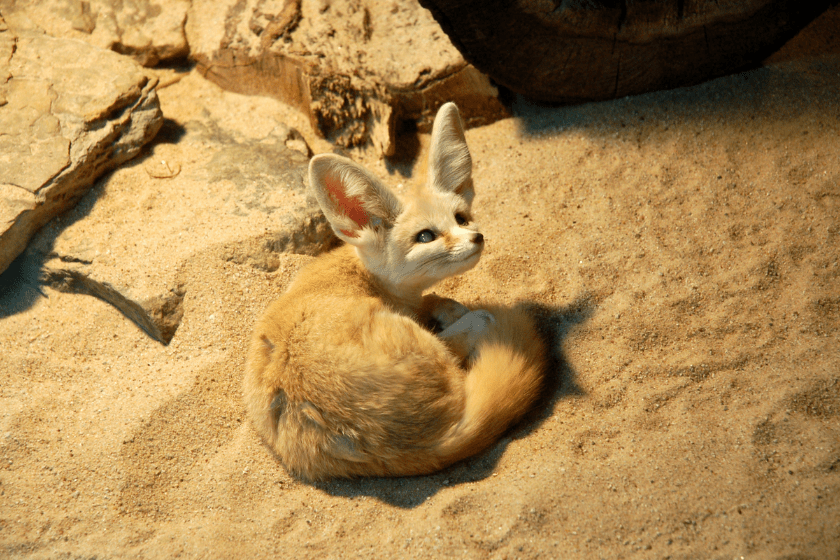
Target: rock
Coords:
[[577, 51], [69, 112], [149, 31], [230, 181], [355, 67]]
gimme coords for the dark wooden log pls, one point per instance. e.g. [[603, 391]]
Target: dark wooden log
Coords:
[[577, 50]]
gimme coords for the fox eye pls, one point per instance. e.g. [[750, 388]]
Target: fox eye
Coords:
[[461, 219], [425, 236]]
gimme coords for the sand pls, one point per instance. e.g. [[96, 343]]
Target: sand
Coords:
[[684, 250]]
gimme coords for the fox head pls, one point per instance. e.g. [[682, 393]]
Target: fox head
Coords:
[[413, 243]]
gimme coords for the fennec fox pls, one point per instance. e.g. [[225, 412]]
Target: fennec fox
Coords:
[[344, 375]]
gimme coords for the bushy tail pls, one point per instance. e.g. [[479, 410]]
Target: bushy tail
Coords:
[[502, 384]]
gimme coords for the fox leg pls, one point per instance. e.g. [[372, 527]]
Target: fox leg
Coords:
[[463, 335]]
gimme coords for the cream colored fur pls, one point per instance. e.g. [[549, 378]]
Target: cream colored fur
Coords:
[[345, 376]]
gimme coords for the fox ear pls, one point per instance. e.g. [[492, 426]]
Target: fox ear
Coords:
[[450, 164], [351, 198]]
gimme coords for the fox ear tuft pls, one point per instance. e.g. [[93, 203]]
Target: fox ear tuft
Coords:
[[351, 198], [450, 164]]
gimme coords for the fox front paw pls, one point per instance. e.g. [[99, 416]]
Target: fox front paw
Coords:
[[464, 334], [479, 322], [444, 311]]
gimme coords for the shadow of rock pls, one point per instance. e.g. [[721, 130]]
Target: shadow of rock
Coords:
[[22, 283], [171, 132], [406, 151], [19, 284], [755, 93]]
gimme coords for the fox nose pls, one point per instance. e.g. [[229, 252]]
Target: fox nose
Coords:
[[478, 239]]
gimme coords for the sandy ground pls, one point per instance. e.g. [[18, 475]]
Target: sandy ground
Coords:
[[685, 249]]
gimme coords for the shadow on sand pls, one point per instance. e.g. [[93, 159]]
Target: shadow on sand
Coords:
[[783, 90]]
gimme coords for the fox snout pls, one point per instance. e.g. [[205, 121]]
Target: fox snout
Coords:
[[472, 242]]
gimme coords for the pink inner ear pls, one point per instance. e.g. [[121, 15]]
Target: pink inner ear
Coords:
[[351, 206]]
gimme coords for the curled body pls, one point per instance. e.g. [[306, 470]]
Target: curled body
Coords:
[[353, 371]]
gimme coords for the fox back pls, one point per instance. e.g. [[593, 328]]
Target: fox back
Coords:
[[353, 371]]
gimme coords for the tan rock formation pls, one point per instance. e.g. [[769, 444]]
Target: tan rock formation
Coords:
[[355, 67], [149, 31], [69, 112]]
